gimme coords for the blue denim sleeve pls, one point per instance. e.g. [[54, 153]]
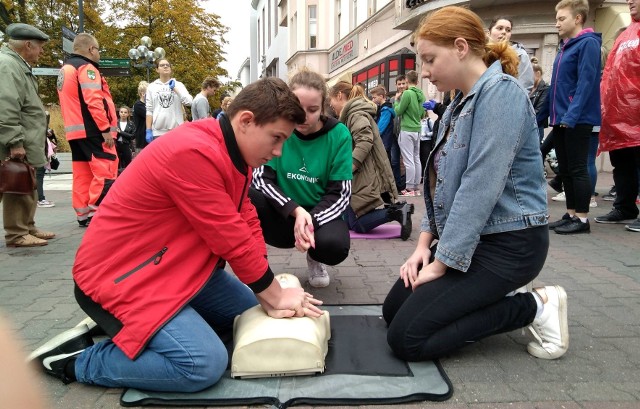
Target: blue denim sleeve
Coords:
[[500, 120], [588, 82]]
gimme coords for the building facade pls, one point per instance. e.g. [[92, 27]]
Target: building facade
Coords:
[[368, 41]]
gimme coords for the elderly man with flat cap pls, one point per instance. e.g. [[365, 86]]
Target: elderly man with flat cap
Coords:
[[23, 126]]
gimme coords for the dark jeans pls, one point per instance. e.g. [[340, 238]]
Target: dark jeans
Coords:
[[368, 221], [626, 163], [547, 145], [446, 314], [394, 158], [572, 151], [332, 238], [40, 182], [124, 154], [591, 160], [425, 148]]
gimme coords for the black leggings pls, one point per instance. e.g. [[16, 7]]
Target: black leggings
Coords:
[[572, 151], [332, 238], [446, 314]]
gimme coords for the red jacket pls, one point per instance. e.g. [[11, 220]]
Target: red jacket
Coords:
[[85, 100], [620, 89], [180, 207]]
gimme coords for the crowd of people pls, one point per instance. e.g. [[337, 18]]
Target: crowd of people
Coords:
[[290, 175]]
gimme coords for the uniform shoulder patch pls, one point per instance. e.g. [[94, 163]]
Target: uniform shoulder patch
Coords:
[[60, 81], [91, 74]]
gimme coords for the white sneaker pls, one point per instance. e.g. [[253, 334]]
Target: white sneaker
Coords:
[[318, 276], [559, 197], [551, 329], [45, 203], [593, 202]]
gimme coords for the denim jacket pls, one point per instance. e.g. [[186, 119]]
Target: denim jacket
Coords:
[[490, 176]]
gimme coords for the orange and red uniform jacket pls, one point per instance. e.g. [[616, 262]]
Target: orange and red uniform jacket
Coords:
[[85, 100]]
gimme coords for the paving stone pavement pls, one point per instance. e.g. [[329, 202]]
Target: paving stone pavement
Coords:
[[601, 272]]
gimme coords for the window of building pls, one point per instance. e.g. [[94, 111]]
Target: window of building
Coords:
[[259, 39], [294, 32], [338, 20], [264, 31], [275, 22], [313, 27], [268, 23], [354, 15], [284, 15], [272, 69]]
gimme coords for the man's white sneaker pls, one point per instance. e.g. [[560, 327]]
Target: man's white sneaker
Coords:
[[318, 276], [551, 329], [560, 197]]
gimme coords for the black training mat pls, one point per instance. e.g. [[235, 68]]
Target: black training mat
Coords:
[[360, 370]]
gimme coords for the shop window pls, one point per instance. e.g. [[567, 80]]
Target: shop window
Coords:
[[313, 27]]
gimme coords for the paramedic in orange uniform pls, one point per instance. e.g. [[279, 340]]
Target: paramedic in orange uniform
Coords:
[[90, 124]]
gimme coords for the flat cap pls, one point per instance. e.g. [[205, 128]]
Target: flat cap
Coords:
[[21, 31]]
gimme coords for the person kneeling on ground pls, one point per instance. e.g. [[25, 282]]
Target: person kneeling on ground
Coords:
[[373, 182], [492, 238], [164, 298]]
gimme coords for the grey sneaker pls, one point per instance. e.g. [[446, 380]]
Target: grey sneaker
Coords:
[[615, 216], [635, 226], [318, 276]]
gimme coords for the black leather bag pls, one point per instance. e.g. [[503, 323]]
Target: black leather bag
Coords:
[[54, 163], [17, 177]]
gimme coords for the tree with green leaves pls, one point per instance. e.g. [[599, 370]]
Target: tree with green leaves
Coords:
[[191, 37]]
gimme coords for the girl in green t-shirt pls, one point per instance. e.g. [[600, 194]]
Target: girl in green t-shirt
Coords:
[[301, 196]]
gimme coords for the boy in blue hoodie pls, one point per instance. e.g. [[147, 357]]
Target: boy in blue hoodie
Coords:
[[384, 117], [574, 107]]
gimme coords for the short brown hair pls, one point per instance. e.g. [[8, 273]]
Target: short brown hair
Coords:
[[82, 42], [577, 7], [268, 99], [159, 60], [412, 77], [210, 82], [379, 90]]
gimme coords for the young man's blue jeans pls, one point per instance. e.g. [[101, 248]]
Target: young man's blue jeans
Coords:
[[185, 355]]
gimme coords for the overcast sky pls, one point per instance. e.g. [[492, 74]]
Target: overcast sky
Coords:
[[235, 15]]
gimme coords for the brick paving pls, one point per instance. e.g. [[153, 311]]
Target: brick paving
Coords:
[[601, 272]]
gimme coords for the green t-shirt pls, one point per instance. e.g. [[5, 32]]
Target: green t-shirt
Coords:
[[306, 166]]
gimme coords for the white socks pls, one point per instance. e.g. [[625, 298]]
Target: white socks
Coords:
[[539, 303]]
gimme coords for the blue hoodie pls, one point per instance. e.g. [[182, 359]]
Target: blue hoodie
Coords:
[[574, 92]]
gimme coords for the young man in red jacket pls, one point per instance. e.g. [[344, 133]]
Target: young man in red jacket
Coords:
[[149, 270]]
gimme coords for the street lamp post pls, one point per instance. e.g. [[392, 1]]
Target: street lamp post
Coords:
[[143, 57]]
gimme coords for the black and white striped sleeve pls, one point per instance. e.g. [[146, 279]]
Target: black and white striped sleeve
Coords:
[[264, 180], [333, 203]]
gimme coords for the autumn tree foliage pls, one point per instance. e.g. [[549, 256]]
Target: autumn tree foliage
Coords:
[[191, 37]]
